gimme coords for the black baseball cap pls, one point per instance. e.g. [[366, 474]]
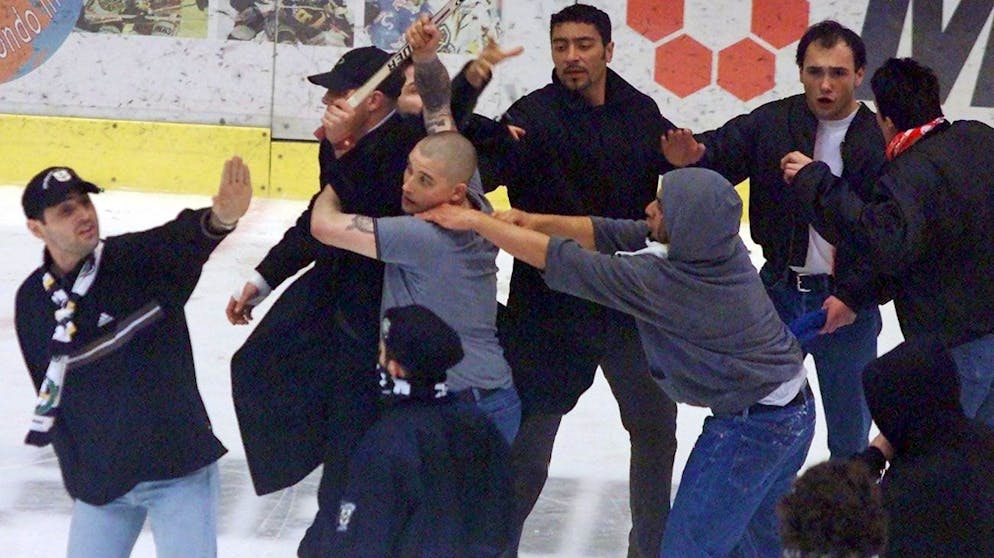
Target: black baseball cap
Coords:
[[422, 342], [355, 67], [51, 187]]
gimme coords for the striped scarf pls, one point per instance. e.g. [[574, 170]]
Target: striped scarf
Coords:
[[903, 140], [61, 345]]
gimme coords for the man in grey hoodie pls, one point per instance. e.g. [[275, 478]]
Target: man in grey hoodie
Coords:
[[710, 334]]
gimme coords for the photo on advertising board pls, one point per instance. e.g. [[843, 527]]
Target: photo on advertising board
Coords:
[[158, 18]]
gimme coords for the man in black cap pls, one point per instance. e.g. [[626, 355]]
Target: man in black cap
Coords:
[[304, 384], [431, 477], [103, 332]]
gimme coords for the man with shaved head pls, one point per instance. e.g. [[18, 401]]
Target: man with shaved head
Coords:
[[453, 273]]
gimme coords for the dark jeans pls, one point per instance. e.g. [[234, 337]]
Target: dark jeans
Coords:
[[647, 414], [840, 358]]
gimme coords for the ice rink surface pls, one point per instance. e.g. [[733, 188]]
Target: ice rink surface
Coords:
[[583, 511]]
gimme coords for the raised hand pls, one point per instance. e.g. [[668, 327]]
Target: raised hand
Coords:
[[233, 194], [424, 38], [482, 67], [681, 148]]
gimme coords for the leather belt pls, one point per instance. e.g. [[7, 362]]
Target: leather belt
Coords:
[[808, 282]]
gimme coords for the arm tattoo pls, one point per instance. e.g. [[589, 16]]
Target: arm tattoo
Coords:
[[361, 223], [432, 80]]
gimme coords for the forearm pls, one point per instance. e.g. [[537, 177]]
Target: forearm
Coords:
[[432, 80], [524, 244], [578, 228], [342, 230]]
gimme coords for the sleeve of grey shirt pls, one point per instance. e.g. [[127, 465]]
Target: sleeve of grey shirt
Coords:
[[613, 235], [614, 281]]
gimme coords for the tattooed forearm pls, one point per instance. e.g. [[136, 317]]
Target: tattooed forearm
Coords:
[[361, 223], [432, 80]]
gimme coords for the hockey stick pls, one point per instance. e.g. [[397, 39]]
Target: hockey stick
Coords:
[[398, 58]]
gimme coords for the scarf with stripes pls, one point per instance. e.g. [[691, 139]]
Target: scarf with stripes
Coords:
[[61, 345]]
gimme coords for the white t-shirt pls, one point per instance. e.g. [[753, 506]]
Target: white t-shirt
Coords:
[[828, 142]]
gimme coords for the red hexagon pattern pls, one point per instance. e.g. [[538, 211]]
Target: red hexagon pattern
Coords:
[[746, 69], [779, 22], [759, 76], [683, 65], [654, 19]]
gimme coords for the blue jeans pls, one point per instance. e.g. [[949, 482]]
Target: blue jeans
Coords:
[[182, 513], [840, 358], [975, 364], [502, 407], [739, 469]]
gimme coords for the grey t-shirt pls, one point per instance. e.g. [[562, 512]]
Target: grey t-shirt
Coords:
[[453, 273]]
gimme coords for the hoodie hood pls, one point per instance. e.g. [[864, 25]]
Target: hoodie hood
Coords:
[[702, 212], [710, 331], [913, 395]]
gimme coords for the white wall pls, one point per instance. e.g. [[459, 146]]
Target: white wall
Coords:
[[211, 80]]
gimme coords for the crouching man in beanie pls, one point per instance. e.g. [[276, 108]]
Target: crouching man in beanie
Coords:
[[118, 396], [431, 477]]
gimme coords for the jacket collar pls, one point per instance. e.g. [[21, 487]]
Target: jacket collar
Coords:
[[616, 91]]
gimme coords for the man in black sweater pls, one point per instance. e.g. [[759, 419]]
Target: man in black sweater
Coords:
[[591, 147], [118, 396]]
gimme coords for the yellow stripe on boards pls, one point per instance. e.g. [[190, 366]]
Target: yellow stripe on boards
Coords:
[[171, 158], [126, 155]]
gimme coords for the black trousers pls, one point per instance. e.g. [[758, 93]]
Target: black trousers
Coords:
[[647, 414]]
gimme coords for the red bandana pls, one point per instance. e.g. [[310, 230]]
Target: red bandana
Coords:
[[903, 140]]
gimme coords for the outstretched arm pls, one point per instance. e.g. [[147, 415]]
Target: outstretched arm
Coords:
[[430, 75], [578, 228], [526, 245], [343, 230]]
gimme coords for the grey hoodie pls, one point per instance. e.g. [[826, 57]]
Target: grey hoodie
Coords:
[[709, 331]]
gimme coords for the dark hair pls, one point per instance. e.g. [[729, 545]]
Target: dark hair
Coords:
[[828, 33], [906, 92], [583, 13], [834, 509]]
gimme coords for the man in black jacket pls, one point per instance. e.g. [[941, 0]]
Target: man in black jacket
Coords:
[[431, 477], [118, 395], [928, 226], [803, 272], [304, 382], [938, 490], [591, 147]]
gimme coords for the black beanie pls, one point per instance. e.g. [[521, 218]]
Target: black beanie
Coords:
[[422, 342]]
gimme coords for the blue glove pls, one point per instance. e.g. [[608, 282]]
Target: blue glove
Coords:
[[806, 326]]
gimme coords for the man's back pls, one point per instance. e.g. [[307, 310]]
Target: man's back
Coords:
[[945, 195], [940, 503], [430, 478]]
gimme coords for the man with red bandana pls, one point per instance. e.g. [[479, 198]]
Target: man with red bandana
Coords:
[[929, 225], [803, 272]]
